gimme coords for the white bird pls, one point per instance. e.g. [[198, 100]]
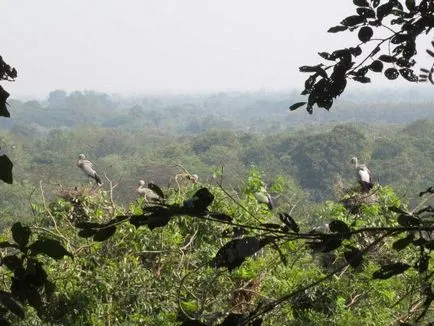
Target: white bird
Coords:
[[262, 196], [87, 167], [147, 193], [194, 178], [364, 175]]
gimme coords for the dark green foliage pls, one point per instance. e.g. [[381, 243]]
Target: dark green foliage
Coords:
[[49, 247], [29, 284], [5, 168]]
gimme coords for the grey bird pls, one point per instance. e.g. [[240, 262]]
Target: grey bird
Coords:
[[364, 175], [87, 167], [147, 193]]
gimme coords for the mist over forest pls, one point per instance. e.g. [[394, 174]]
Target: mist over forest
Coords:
[[133, 137]]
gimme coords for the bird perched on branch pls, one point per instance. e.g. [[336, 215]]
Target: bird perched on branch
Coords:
[[87, 167], [147, 193], [363, 174], [262, 196]]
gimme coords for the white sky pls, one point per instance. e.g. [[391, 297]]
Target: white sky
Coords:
[[143, 46]]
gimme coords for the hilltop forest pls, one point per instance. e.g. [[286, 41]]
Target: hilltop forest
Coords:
[[235, 143]]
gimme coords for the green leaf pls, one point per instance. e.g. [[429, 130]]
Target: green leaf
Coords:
[[104, 234], [49, 247], [6, 168], [21, 234], [295, 106]]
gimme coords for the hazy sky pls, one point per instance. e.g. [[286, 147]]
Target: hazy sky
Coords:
[[143, 46]]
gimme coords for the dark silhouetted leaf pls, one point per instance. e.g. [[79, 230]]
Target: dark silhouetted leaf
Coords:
[[296, 105], [221, 217], [366, 12], [431, 53], [408, 74], [233, 320], [402, 62], [152, 221], [361, 3], [408, 220], [13, 263], [422, 264], [6, 169], [49, 247], [3, 98], [384, 10], [365, 34], [289, 222], [13, 306], [338, 226], [375, 3], [4, 322], [362, 80], [353, 256], [353, 20], [273, 226], [325, 55], [21, 234], [87, 233], [376, 66], [356, 51], [430, 245], [396, 210], [403, 243], [104, 234], [387, 58], [88, 225], [336, 29], [156, 189], [410, 4], [388, 271], [6, 244], [233, 253], [391, 73], [200, 201], [190, 322]]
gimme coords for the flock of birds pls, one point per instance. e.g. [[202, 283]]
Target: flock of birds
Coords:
[[262, 196], [144, 190]]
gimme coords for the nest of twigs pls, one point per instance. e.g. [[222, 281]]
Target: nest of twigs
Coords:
[[353, 198], [243, 296]]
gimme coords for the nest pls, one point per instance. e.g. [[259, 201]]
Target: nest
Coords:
[[353, 198], [243, 296]]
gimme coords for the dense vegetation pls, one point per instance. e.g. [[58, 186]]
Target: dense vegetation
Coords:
[[210, 253], [308, 175]]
